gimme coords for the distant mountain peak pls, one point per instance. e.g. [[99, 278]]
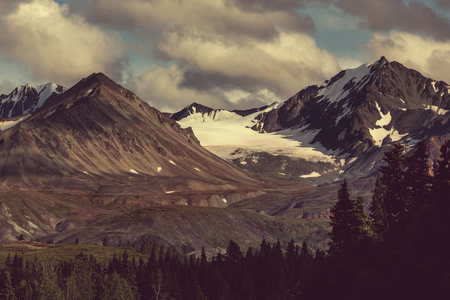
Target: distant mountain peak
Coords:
[[27, 98]]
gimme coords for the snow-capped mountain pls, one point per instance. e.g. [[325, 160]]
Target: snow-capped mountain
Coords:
[[345, 123], [203, 113], [26, 99]]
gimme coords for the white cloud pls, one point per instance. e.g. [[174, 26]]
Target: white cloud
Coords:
[[161, 88], [427, 55], [223, 52], [284, 65], [57, 46], [243, 75]]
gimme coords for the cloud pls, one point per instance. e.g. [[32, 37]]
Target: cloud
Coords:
[[224, 52], [427, 55], [7, 6], [216, 17], [223, 75], [386, 15], [57, 46], [283, 66], [6, 87], [445, 3], [161, 88]]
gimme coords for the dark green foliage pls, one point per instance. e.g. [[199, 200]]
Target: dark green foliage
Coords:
[[412, 260], [417, 178], [350, 222], [393, 179], [378, 224]]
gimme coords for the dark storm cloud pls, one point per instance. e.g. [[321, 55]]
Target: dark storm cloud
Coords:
[[262, 5], [385, 15], [194, 78], [231, 19]]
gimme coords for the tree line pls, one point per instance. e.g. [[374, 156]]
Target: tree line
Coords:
[[398, 249]]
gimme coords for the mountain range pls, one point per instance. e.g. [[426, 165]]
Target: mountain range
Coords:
[[340, 128], [95, 161]]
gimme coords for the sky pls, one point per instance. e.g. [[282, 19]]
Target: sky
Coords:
[[220, 53]]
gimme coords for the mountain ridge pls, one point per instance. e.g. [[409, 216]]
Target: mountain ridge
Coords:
[[355, 116]]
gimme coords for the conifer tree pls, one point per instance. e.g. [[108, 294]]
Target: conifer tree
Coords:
[[441, 181], [342, 221], [6, 288], [362, 222], [417, 178], [234, 252], [305, 257], [377, 213], [393, 180]]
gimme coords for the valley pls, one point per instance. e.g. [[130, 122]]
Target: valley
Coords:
[[96, 161]]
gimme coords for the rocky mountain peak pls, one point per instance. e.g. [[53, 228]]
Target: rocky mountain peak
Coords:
[[359, 113], [27, 98]]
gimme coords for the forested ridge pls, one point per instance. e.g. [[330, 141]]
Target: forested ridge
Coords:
[[398, 249]]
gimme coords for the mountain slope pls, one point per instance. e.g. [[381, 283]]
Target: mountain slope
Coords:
[[99, 131], [348, 121], [27, 98]]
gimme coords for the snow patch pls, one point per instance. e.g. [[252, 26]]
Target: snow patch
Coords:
[[379, 134], [215, 115], [224, 200], [433, 84], [4, 125], [197, 169], [170, 192], [158, 169], [88, 93], [335, 92], [133, 171], [31, 224], [172, 162], [310, 175], [17, 227], [436, 109]]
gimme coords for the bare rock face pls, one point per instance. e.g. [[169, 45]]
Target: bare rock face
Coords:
[[98, 133]]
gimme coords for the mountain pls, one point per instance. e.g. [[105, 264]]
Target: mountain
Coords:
[[27, 98], [210, 114], [97, 134], [98, 161], [340, 128]]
